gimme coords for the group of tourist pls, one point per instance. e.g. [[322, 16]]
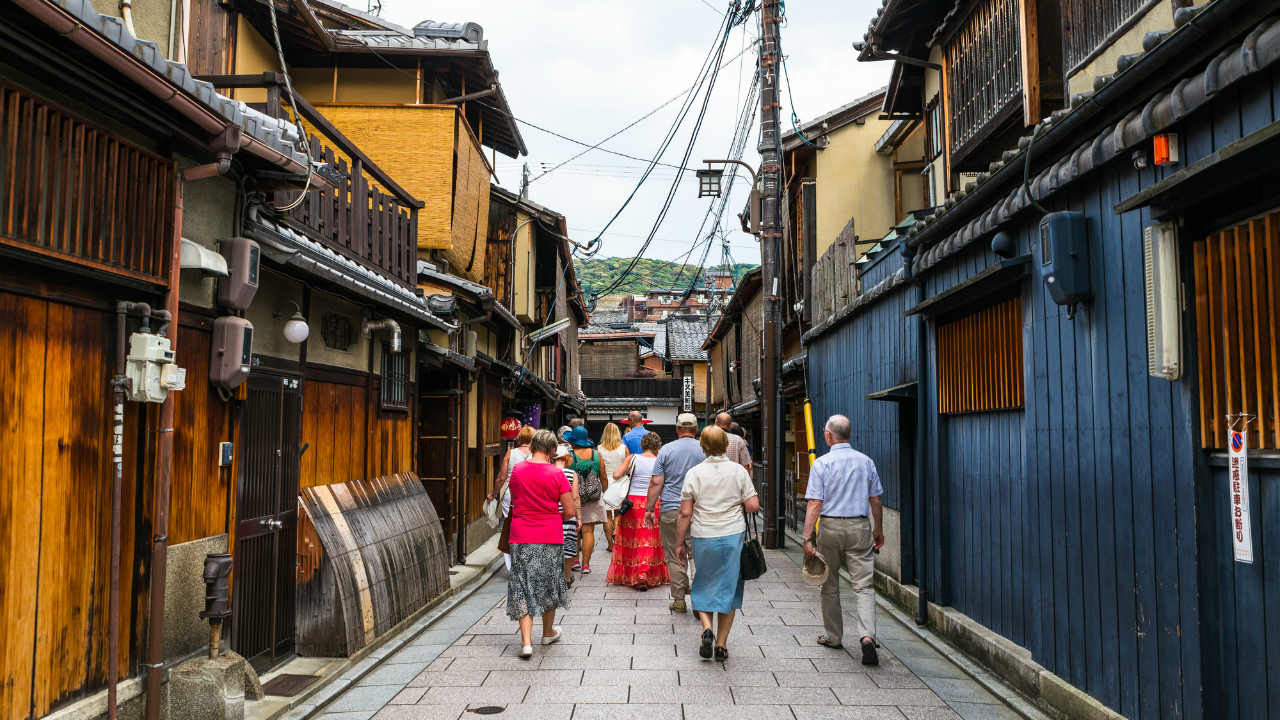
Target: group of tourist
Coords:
[[687, 500]]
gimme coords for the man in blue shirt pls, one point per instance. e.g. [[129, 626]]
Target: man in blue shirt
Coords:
[[674, 460], [844, 489], [637, 431]]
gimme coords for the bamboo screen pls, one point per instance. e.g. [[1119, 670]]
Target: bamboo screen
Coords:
[[1237, 280], [980, 360], [414, 145], [470, 207]]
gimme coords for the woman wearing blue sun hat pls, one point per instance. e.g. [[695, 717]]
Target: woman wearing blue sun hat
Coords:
[[586, 463]]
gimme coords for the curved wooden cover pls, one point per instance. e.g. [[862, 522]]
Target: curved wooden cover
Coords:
[[370, 554]]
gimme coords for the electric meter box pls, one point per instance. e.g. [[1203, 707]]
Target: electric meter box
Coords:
[[1064, 257], [243, 256], [150, 369], [232, 350]]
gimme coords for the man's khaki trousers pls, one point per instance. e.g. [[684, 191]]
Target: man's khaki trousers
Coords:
[[679, 576], [848, 542]]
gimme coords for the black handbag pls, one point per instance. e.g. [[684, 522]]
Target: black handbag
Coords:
[[753, 565]]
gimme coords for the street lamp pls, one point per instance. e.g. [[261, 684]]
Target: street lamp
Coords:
[[709, 186], [709, 182]]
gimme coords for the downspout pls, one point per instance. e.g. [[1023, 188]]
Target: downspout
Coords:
[[918, 461], [368, 327], [164, 469], [119, 387]]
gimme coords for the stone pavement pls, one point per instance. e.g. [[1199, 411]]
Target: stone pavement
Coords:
[[625, 656]]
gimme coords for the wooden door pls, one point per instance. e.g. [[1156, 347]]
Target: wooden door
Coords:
[[267, 514], [437, 455]]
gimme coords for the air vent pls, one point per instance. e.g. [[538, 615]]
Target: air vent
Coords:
[[1164, 301]]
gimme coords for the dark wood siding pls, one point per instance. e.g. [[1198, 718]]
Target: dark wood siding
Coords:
[[55, 505], [201, 420], [210, 39]]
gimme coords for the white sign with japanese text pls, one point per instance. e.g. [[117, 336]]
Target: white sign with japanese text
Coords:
[[1238, 481]]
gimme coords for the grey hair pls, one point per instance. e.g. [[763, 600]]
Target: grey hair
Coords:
[[543, 443], [839, 427], [724, 420]]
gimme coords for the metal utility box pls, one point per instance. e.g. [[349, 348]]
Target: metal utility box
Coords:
[[243, 256], [1064, 257], [150, 368], [232, 350]]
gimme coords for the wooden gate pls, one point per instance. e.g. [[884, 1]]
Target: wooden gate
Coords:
[[267, 513]]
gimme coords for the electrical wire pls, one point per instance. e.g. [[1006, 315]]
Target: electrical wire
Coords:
[[731, 19], [293, 106], [633, 123]]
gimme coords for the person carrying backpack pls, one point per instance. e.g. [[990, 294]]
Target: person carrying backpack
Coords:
[[586, 464]]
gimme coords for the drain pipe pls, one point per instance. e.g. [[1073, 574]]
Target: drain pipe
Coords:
[[119, 388], [369, 327], [918, 460], [164, 468]]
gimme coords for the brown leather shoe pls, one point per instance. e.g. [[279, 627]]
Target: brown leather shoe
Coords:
[[677, 606]]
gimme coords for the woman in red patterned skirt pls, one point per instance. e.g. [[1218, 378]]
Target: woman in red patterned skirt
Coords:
[[638, 560]]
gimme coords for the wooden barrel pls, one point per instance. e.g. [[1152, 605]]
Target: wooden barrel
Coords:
[[370, 554]]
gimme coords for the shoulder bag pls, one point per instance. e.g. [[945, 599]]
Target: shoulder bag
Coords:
[[752, 562], [504, 538]]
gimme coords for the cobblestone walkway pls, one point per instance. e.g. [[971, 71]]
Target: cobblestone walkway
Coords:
[[625, 656]]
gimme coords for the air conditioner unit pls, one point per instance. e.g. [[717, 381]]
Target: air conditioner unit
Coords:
[[1164, 300]]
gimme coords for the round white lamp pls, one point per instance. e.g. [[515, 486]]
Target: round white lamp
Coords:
[[296, 329]]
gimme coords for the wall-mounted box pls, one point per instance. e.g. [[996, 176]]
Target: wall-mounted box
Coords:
[[1064, 257], [243, 258], [232, 351]]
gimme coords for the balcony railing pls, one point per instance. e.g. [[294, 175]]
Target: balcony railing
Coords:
[[1091, 23], [984, 72], [631, 388], [362, 213], [72, 192]]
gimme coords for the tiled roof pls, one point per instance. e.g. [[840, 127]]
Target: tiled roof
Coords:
[[684, 339], [277, 134]]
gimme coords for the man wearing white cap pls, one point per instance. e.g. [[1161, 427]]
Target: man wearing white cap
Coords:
[[844, 489], [674, 460]]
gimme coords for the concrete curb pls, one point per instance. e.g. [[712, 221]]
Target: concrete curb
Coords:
[[313, 700], [989, 681]]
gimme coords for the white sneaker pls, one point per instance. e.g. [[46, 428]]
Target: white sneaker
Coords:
[[526, 652], [554, 638]]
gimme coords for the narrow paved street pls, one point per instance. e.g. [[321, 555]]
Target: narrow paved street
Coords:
[[625, 656]]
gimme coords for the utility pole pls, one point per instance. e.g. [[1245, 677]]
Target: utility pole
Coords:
[[770, 148]]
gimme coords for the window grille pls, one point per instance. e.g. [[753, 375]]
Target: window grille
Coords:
[[1237, 296], [980, 360], [394, 392], [1093, 24], [984, 71]]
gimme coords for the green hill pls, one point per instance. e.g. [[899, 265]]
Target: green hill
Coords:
[[596, 274]]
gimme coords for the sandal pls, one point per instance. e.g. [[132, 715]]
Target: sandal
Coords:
[[722, 653], [708, 638], [824, 640]]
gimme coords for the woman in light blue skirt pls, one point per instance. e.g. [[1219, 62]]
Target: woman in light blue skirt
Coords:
[[716, 492]]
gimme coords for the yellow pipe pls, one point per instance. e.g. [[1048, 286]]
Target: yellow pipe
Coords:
[[808, 430]]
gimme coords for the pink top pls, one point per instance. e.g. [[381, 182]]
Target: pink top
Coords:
[[535, 503]]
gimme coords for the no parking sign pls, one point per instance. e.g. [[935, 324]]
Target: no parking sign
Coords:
[[1238, 476]]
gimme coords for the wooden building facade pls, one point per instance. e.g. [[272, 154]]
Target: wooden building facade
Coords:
[[1059, 473], [132, 193]]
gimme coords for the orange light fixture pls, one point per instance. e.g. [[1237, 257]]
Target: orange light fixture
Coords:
[[1165, 149]]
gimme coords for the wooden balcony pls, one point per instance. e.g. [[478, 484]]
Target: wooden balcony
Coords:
[[74, 193], [983, 74], [360, 211]]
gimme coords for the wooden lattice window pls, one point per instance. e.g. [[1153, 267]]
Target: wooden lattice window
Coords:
[[71, 191], [1093, 24], [983, 71], [394, 390], [1237, 277], [980, 360]]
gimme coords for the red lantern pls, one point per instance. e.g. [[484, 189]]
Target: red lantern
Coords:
[[510, 428]]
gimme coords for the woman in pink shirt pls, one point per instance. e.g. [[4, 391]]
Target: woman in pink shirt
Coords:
[[541, 499]]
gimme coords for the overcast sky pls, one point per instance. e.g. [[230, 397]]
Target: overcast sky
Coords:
[[587, 68]]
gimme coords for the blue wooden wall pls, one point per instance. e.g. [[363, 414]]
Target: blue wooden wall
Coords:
[[1085, 526], [870, 353]]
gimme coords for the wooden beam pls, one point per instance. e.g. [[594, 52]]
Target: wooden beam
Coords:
[[1029, 37]]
